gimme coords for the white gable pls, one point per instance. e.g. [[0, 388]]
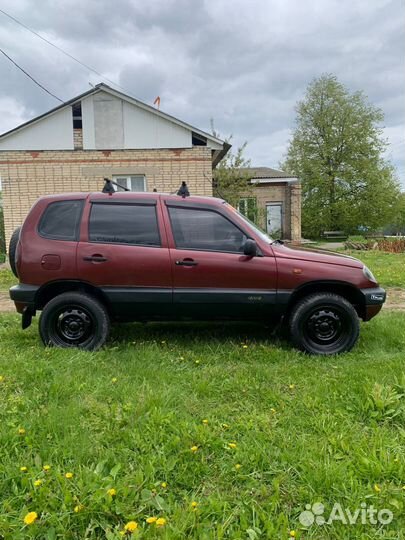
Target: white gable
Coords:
[[53, 132]]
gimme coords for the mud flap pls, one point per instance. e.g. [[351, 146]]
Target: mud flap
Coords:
[[26, 318]]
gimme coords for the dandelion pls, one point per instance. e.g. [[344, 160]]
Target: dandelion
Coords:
[[197, 361], [38, 483], [69, 475], [1, 378], [131, 526], [245, 346], [291, 386], [114, 380], [181, 358], [194, 449], [46, 468], [238, 466], [377, 488], [273, 410], [112, 492], [164, 485], [194, 505], [161, 522], [151, 520], [78, 508], [21, 431], [205, 421], [232, 445], [293, 534], [30, 518], [23, 469]]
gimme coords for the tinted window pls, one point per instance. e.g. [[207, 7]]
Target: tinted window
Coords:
[[124, 224], [61, 220], [205, 230]]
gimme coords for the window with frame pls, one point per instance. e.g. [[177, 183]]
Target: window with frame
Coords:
[[136, 182], [248, 207], [205, 230], [61, 220], [132, 224]]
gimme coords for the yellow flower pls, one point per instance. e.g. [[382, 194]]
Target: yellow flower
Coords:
[[273, 410], [232, 445], [131, 526], [112, 492], [225, 426], [161, 522], [46, 468], [291, 386], [238, 466], [244, 346], [30, 518], [1, 378], [293, 534], [197, 361], [114, 380], [23, 469], [194, 504], [151, 520], [205, 421], [21, 431], [164, 485], [78, 508], [69, 475], [194, 448], [37, 483], [377, 488]]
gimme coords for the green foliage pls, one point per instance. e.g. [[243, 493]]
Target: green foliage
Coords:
[[126, 418], [230, 180], [337, 151]]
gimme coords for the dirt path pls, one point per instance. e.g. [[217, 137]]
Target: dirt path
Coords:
[[395, 300]]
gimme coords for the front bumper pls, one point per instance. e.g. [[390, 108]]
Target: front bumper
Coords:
[[373, 301]]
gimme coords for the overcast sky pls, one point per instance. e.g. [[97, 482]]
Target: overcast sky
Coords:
[[243, 63]]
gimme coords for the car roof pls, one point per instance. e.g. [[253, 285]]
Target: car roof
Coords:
[[131, 195]]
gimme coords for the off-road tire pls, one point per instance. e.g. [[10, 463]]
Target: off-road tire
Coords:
[[324, 324], [74, 319], [12, 248]]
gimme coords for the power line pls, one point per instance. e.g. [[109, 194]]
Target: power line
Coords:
[[61, 50], [30, 77]]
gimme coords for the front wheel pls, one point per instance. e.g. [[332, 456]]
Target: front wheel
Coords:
[[324, 324], [74, 319]]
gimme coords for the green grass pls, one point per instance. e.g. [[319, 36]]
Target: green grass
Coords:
[[306, 429], [7, 279], [388, 268]]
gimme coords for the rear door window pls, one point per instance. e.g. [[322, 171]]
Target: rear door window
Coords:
[[132, 224], [61, 220]]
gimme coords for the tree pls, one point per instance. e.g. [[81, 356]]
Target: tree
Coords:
[[337, 151], [231, 181]]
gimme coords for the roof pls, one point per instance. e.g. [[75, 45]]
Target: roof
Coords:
[[264, 172], [102, 87]]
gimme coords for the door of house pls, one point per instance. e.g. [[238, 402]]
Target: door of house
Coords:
[[274, 219]]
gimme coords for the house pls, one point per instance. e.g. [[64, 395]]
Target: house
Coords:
[[102, 133], [273, 200]]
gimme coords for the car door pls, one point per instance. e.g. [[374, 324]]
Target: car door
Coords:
[[124, 253], [212, 278]]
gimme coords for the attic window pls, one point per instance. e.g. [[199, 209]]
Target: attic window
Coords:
[[77, 115], [198, 140]]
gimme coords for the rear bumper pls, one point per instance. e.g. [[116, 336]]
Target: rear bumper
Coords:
[[23, 296], [373, 301]]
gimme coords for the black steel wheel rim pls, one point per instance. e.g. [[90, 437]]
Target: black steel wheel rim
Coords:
[[326, 326], [73, 325]]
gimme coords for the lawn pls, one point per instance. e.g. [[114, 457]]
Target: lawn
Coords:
[[219, 430], [389, 268]]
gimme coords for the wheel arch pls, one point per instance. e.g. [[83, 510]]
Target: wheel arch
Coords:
[[50, 290], [342, 288]]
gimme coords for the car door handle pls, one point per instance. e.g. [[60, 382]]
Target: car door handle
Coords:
[[95, 258], [186, 262]]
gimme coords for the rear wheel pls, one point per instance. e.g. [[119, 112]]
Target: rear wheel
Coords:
[[324, 323], [74, 319], [12, 248]]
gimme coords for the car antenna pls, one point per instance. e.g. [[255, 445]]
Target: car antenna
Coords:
[[108, 186], [183, 190]]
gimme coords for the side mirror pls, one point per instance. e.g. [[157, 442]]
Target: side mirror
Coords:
[[250, 248]]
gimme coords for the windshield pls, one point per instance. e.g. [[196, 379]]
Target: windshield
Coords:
[[264, 236]]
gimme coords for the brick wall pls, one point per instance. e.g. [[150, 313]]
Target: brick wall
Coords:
[[29, 175]]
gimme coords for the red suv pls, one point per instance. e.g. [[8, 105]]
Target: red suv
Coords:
[[87, 259]]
